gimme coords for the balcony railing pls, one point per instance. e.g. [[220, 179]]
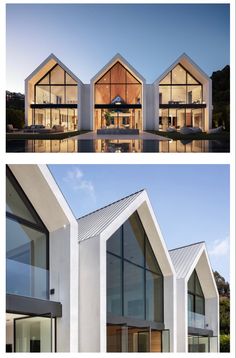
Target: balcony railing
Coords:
[[26, 280], [196, 320]]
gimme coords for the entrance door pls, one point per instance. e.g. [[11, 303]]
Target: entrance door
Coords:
[[33, 334]]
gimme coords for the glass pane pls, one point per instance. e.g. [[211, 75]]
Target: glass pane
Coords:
[[134, 240], [102, 94], [179, 94], [114, 285], [57, 94], [164, 95], [130, 78], [33, 334], [70, 80], [165, 341], [114, 243], [155, 341], [166, 80], [133, 291], [138, 340], [106, 78], [15, 205], [118, 90], [194, 94], [42, 94], [57, 75], [118, 73], [26, 252], [190, 79], [45, 80], [151, 262], [191, 283], [198, 288], [191, 302], [154, 297], [199, 305], [114, 338], [203, 345], [178, 75], [134, 94], [71, 94]]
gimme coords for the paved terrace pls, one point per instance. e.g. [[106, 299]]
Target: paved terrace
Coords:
[[140, 136]]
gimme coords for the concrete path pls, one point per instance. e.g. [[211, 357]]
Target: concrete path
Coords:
[[141, 136]]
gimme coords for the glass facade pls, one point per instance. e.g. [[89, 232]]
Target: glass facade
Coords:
[[134, 290], [118, 99], [56, 100], [196, 303], [134, 280], [27, 247], [202, 344], [180, 100]]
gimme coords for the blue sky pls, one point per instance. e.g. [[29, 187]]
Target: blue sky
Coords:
[[191, 202], [85, 37]]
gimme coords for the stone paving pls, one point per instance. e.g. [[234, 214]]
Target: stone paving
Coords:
[[140, 136]]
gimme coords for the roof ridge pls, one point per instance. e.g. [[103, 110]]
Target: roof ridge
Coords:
[[114, 202], [182, 247]]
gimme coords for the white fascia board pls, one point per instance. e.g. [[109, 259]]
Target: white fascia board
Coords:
[[124, 62], [54, 60], [189, 64], [57, 193]]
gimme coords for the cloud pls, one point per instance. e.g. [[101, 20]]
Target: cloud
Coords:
[[75, 178], [220, 247]]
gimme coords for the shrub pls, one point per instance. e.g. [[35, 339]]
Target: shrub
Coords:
[[15, 117], [224, 343]]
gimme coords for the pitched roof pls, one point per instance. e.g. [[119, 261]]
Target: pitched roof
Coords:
[[94, 223], [184, 257]]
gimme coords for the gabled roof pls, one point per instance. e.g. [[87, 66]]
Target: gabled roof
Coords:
[[47, 64], [184, 257], [94, 223], [124, 62], [189, 65], [104, 222]]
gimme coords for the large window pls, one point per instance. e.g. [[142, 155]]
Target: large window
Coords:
[[196, 302], [134, 278], [56, 87], [27, 250], [118, 85], [180, 87]]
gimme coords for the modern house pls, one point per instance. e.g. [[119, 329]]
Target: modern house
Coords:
[[103, 283], [119, 97]]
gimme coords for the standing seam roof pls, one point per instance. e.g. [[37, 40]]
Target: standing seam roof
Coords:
[[183, 258], [94, 223]]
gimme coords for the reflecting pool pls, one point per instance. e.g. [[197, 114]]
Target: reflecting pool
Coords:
[[116, 146]]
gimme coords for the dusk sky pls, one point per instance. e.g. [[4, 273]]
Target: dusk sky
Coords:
[[86, 37], [191, 202]]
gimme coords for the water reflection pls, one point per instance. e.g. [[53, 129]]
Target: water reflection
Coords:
[[116, 146]]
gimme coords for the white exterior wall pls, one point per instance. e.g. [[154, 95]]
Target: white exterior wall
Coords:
[[181, 316], [149, 107], [85, 108], [92, 296], [170, 309]]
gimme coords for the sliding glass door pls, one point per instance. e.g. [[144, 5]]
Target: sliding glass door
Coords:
[[34, 334]]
